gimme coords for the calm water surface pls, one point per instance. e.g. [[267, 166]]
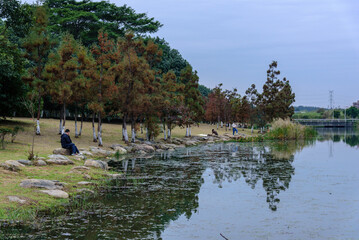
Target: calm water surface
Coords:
[[303, 190]]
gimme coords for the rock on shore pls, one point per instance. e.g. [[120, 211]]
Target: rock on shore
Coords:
[[41, 183]]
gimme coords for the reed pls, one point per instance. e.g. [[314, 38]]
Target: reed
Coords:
[[284, 129]]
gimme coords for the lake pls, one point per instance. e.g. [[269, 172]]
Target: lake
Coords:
[[271, 190]]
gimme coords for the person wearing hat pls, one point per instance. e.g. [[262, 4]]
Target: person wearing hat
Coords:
[[67, 143]]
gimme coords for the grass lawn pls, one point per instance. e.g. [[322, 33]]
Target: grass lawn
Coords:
[[50, 139]]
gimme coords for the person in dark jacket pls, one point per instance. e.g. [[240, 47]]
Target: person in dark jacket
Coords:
[[214, 132], [67, 143]]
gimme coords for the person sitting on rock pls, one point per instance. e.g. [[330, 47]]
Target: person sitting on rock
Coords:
[[67, 143], [214, 132]]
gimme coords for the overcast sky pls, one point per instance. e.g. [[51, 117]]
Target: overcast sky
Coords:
[[316, 43]]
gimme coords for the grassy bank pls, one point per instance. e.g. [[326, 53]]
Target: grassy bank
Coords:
[[44, 145]]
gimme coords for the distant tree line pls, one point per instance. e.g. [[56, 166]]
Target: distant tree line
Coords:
[[254, 108], [95, 59]]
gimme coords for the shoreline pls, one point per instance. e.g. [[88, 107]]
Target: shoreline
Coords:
[[93, 179]]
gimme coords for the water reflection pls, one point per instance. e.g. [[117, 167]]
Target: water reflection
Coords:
[[159, 189], [268, 165], [349, 136]]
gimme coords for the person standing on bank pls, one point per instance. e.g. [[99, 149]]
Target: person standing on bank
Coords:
[[67, 143], [234, 128]]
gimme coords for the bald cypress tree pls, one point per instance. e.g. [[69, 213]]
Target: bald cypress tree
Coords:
[[37, 45], [101, 78], [61, 71], [134, 81]]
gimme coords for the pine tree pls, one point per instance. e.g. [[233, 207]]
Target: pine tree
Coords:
[[276, 99]]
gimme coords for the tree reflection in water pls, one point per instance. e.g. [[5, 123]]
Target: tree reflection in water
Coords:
[[159, 190], [270, 163]]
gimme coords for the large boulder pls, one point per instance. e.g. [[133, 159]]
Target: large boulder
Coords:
[[191, 143], [14, 163], [101, 152], [119, 149], [58, 159], [40, 163], [16, 199], [56, 193], [96, 164], [12, 168], [58, 156], [115, 176], [86, 153], [143, 148], [62, 151], [59, 162], [25, 162], [41, 183]]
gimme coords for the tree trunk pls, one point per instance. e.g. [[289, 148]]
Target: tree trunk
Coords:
[[164, 131], [76, 132], [38, 132], [60, 126], [124, 127], [141, 129], [187, 132], [82, 122], [169, 131], [189, 128], [133, 131], [147, 135], [64, 121], [93, 128], [99, 130]]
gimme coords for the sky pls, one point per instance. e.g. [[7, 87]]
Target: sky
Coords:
[[315, 42]]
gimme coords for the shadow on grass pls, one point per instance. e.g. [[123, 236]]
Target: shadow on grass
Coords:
[[14, 123]]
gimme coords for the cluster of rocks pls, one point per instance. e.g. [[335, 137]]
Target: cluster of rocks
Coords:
[[56, 188]]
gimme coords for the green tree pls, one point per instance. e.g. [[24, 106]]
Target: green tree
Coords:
[[336, 113], [83, 19], [11, 86], [171, 59], [277, 97], [192, 107], [205, 91], [37, 45], [352, 112], [16, 16]]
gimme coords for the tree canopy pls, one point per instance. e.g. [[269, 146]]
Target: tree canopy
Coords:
[[83, 19]]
